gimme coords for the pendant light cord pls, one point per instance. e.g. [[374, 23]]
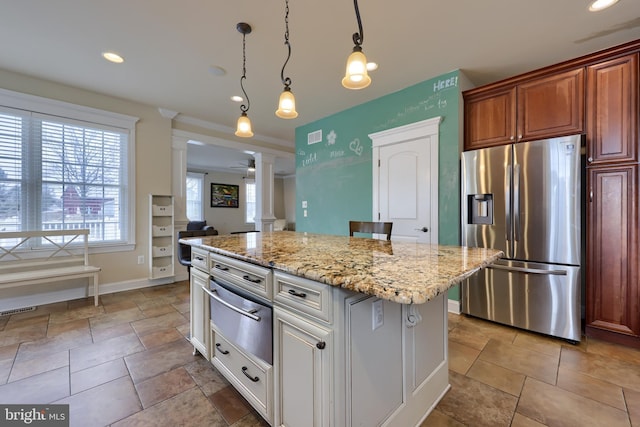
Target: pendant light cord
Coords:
[[244, 108], [286, 81], [358, 38]]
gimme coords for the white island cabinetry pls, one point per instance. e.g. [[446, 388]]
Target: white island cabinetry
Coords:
[[199, 313]]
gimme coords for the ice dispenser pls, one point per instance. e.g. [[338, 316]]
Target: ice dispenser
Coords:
[[480, 208]]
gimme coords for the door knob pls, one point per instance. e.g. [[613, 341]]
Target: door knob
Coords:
[[423, 229]]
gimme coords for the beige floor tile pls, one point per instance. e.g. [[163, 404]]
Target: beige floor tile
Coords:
[[103, 405], [251, 420], [157, 360], [5, 370], [476, 404], [208, 379], [522, 360], [159, 310], [182, 307], [24, 334], [71, 325], [8, 352], [104, 351], [461, 357], [63, 341], [22, 322], [188, 409], [590, 387], [540, 343], [119, 305], [134, 295], [43, 388], [230, 404], [164, 386], [488, 329], [98, 375], [168, 320], [520, 420], [605, 368], [158, 337], [81, 312], [496, 376], [614, 351], [110, 320], [23, 368], [556, 407], [632, 399], [468, 337], [438, 419], [103, 334]]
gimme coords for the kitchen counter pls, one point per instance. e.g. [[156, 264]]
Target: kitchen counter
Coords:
[[406, 273]]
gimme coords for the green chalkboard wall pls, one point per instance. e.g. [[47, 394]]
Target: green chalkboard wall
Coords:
[[333, 158]]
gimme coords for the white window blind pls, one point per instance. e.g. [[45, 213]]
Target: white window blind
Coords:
[[250, 200], [64, 173], [195, 191]]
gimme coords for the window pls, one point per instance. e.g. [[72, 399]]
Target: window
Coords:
[[59, 171], [195, 186], [250, 200]]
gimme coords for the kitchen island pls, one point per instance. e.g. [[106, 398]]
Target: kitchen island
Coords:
[[358, 329]]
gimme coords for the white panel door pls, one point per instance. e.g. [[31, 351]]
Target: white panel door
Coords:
[[406, 181]]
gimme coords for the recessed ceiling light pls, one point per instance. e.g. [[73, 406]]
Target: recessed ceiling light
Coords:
[[236, 98], [113, 57], [599, 5], [217, 70], [372, 66]]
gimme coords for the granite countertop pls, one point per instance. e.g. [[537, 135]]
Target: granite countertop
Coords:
[[397, 271]]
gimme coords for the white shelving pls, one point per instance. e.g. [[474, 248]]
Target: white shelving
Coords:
[[162, 244]]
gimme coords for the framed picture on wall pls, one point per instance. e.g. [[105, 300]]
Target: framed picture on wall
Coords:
[[224, 195]]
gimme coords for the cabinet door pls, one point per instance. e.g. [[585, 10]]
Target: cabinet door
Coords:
[[612, 111], [612, 250], [200, 334], [490, 118], [302, 366], [551, 106]]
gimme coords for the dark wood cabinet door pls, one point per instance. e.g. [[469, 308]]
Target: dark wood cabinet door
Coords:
[[551, 106], [490, 118], [612, 111], [612, 251]]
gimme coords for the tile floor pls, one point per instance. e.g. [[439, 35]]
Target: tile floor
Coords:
[[126, 363]]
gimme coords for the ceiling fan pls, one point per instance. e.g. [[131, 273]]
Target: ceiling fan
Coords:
[[250, 166]]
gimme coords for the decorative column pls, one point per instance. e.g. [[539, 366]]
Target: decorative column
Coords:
[[264, 191], [179, 181]]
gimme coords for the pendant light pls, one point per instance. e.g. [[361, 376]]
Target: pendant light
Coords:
[[287, 103], [244, 124], [356, 76]]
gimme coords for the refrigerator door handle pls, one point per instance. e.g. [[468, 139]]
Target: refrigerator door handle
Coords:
[[528, 270], [507, 203], [516, 203]]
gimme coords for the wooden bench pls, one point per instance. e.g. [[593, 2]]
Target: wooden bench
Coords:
[[32, 257]]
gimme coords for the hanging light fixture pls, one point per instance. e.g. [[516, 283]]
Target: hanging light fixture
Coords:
[[287, 103], [244, 124], [356, 76]]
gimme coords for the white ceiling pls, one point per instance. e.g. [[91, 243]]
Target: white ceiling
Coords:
[[169, 46]]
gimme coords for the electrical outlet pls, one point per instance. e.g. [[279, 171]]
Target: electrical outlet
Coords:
[[140, 259], [305, 213], [377, 314], [304, 204]]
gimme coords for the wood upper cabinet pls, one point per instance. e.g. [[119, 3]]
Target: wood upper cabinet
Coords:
[[612, 252], [490, 118], [535, 109], [612, 111]]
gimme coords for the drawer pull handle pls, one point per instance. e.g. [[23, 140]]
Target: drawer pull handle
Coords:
[[245, 277], [219, 267], [254, 379], [220, 349], [250, 313], [297, 294], [199, 258], [321, 345]]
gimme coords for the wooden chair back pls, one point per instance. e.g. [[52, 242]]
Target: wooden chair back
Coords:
[[370, 227]]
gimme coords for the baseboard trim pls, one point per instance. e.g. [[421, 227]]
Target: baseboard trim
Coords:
[[453, 306]]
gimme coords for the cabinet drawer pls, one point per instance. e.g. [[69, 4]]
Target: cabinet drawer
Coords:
[[200, 258], [253, 376], [252, 278], [304, 295], [162, 230], [160, 210], [160, 251]]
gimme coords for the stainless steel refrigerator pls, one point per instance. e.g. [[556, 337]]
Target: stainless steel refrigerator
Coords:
[[524, 199]]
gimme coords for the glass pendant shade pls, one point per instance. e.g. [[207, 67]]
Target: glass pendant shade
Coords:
[[287, 105], [244, 126], [356, 76]]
